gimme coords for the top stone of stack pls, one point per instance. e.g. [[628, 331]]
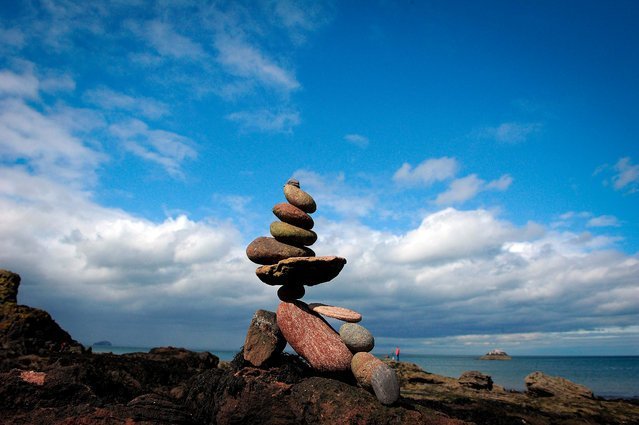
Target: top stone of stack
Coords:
[[297, 197], [285, 256]]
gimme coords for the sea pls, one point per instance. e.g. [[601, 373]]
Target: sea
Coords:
[[606, 376]]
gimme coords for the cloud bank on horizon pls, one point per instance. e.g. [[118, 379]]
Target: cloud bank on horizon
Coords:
[[143, 145]]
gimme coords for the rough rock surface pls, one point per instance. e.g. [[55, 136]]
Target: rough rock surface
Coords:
[[292, 215], [25, 330], [301, 270], [356, 337], [539, 384], [477, 380], [340, 313], [299, 198], [292, 235], [263, 338], [312, 338], [265, 250], [9, 283]]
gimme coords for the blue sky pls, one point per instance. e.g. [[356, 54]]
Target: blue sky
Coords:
[[475, 162]]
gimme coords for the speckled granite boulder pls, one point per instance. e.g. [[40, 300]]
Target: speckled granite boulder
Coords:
[[312, 338]]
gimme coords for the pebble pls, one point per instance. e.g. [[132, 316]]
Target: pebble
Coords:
[[292, 235], [291, 292], [264, 250], [263, 338], [301, 270], [339, 313], [362, 366], [292, 215], [299, 198], [312, 337], [356, 337], [385, 384]]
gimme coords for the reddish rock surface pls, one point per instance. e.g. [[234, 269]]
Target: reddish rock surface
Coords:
[[265, 250], [263, 338], [299, 198], [362, 365], [312, 338], [340, 313], [301, 271], [292, 215]]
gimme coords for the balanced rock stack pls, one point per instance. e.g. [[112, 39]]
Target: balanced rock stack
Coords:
[[286, 260]]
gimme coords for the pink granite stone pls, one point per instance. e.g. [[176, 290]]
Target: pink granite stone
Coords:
[[339, 313], [312, 338]]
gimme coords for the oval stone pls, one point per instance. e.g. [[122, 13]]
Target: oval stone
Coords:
[[299, 198], [312, 338], [356, 337], [301, 270], [292, 215], [362, 365], [264, 250], [339, 313], [292, 235], [291, 292], [385, 384]]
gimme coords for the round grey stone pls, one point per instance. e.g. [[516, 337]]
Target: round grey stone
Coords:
[[356, 337], [385, 384]]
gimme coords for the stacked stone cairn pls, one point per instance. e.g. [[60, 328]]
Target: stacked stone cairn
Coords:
[[287, 261]]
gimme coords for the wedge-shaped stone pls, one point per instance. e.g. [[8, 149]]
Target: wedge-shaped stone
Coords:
[[263, 338], [340, 313], [264, 250], [292, 215], [292, 235], [299, 198], [312, 338], [301, 270]]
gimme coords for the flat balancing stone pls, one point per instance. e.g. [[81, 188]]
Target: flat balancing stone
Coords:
[[301, 270], [339, 313]]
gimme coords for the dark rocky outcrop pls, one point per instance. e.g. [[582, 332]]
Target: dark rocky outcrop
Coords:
[[539, 384], [174, 386]]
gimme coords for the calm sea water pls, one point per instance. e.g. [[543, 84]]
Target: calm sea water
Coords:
[[605, 376]]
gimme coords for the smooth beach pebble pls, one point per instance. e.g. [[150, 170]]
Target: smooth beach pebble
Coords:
[[356, 337], [307, 271], [362, 365], [292, 235], [299, 198], [312, 338], [264, 250], [263, 339], [385, 384], [339, 313], [291, 292], [292, 215]]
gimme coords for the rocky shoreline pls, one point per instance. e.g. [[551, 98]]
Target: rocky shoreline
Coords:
[[46, 377]]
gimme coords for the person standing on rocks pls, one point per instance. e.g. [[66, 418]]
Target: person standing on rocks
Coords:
[[397, 353]]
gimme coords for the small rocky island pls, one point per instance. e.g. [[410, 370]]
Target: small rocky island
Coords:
[[496, 354]]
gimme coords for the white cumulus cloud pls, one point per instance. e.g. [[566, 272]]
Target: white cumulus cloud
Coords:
[[427, 172]]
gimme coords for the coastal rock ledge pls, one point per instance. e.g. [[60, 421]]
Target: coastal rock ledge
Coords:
[[54, 380]]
